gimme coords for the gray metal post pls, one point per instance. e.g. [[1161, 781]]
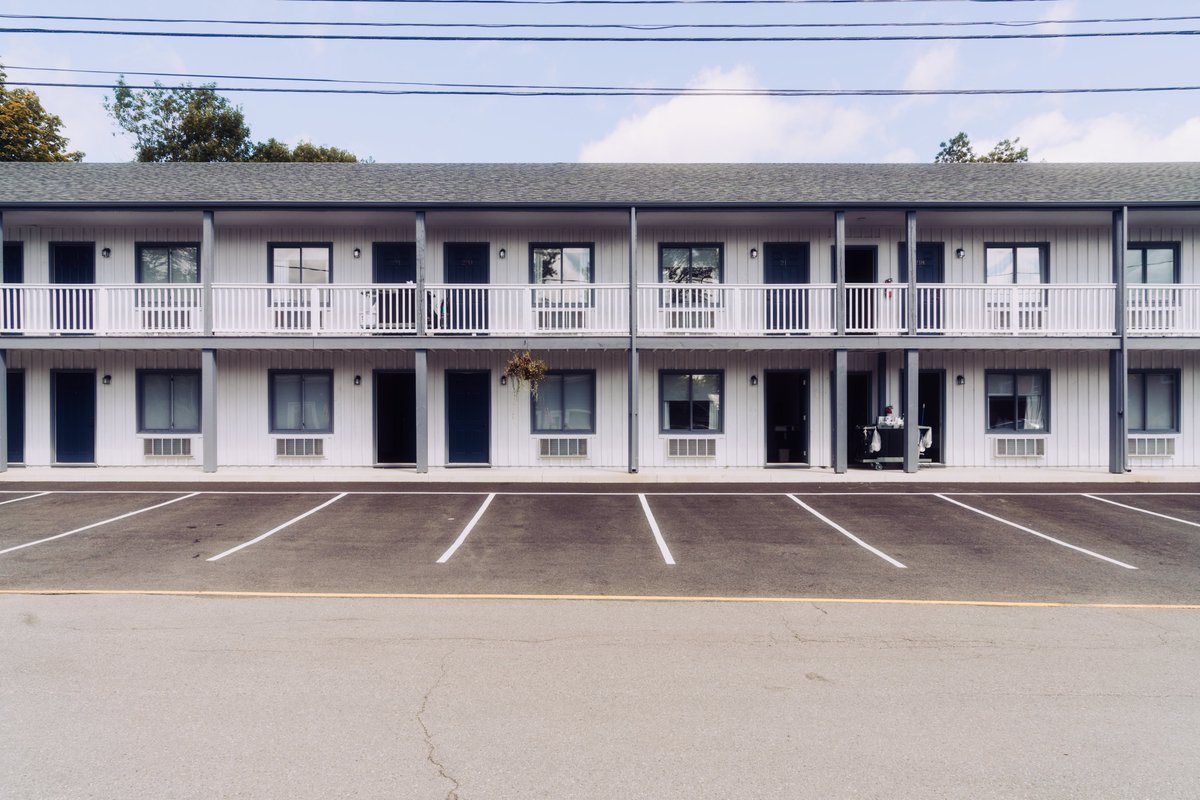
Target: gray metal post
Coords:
[[841, 417], [912, 369], [208, 408], [422, 304], [422, 406], [208, 261], [910, 225], [1118, 370], [634, 416], [839, 270]]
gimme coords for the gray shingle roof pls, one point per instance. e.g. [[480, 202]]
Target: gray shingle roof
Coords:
[[434, 185]]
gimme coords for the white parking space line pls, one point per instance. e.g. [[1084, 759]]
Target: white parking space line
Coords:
[[847, 533], [19, 499], [658, 537], [1060, 542], [96, 524], [1143, 510], [277, 528], [462, 537]]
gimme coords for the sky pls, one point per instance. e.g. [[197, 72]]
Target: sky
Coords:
[[1106, 127]]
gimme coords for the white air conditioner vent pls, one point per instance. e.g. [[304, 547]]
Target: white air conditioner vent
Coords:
[[1160, 446], [692, 448], [563, 448], [300, 447], [167, 447], [1020, 447]]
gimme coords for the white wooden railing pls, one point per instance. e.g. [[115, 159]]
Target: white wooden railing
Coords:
[[1163, 310], [595, 309], [734, 310]]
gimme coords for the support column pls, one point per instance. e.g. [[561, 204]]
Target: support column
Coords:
[[634, 366], [910, 243], [912, 369], [208, 408], [1118, 365], [840, 414], [839, 271], [208, 261], [422, 407], [420, 302]]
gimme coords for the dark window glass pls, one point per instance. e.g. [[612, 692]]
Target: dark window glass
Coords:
[[1018, 401], [169, 401], [1153, 404], [691, 401], [301, 402], [171, 263], [565, 403], [690, 264]]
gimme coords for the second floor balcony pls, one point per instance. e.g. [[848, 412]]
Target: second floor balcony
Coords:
[[711, 310]]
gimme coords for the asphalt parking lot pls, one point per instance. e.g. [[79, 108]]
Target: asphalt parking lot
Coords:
[[1005, 543]]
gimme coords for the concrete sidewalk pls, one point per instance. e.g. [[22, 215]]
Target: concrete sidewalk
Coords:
[[323, 474]]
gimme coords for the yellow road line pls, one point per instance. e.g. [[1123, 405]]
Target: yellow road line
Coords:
[[625, 598]]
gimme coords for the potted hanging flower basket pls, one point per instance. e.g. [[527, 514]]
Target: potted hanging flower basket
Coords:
[[523, 368]]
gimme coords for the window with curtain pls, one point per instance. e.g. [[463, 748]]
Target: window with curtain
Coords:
[[1153, 402], [301, 402], [566, 402], [1017, 263], [691, 401], [1018, 401], [168, 401]]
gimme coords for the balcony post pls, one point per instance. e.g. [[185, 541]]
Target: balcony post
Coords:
[[3, 407], [912, 369], [840, 415], [839, 272], [1118, 361], [422, 407], [208, 408], [634, 423], [910, 243], [208, 261], [420, 302]]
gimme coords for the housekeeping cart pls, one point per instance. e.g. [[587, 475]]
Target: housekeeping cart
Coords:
[[883, 443]]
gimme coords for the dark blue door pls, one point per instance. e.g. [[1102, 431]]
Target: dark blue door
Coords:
[[467, 262], [16, 417], [14, 273], [73, 264], [395, 263], [786, 263], [468, 416], [74, 416]]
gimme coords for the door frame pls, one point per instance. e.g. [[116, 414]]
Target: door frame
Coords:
[[52, 249], [446, 416], [24, 413], [807, 374], [375, 373], [54, 417], [941, 426], [448, 246]]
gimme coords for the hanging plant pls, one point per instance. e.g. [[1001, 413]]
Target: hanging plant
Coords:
[[524, 368]]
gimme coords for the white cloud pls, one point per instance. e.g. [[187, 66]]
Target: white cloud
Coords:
[[729, 129], [1113, 137], [935, 69]]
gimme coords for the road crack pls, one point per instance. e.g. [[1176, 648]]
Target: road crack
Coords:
[[431, 748]]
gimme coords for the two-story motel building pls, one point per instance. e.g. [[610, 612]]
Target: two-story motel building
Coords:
[[707, 316]]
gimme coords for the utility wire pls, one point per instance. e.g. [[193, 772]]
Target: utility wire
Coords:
[[656, 2], [933, 37], [501, 90], [1025, 23]]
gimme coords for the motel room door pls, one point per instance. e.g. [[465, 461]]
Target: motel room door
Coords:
[[467, 263], [395, 417], [787, 416], [468, 417], [786, 263], [16, 416], [75, 265], [74, 415]]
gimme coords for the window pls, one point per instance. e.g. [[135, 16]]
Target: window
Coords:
[[566, 402], [1021, 263], [301, 401], [168, 263], [168, 401], [691, 401], [1153, 404], [690, 263], [566, 264], [300, 263], [1018, 401], [1152, 262]]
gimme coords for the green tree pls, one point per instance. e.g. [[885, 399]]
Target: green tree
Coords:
[[194, 123], [959, 151], [27, 131]]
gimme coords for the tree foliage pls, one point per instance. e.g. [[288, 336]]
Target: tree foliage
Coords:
[[959, 151], [27, 131], [194, 123]]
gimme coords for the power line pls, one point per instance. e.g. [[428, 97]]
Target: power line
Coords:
[[654, 2], [608, 25], [516, 90], [933, 37]]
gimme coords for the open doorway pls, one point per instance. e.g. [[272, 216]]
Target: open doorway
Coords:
[[931, 410], [860, 412], [787, 416], [395, 417]]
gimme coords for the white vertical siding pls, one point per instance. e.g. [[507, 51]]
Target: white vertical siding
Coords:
[[1187, 441]]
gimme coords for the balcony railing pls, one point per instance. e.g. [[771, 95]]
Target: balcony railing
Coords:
[[593, 309]]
